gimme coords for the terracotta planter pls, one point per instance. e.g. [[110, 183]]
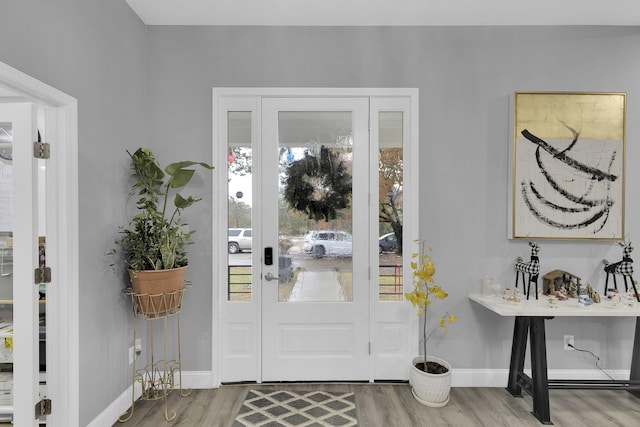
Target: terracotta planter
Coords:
[[158, 292], [430, 389]]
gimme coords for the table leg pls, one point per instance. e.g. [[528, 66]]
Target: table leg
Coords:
[[539, 370], [634, 375], [518, 348]]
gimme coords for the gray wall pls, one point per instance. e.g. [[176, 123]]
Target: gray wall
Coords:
[[466, 76], [100, 53], [94, 51]]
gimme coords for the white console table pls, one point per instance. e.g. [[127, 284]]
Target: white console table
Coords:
[[529, 320]]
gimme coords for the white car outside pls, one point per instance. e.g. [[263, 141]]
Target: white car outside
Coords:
[[239, 240], [323, 243]]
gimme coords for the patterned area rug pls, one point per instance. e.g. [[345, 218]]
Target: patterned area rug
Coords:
[[297, 408]]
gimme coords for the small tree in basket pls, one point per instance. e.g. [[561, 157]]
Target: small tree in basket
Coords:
[[425, 289]]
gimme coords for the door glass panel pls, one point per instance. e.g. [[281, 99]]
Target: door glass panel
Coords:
[[6, 266], [42, 287], [239, 244], [315, 154], [6, 263], [390, 196]]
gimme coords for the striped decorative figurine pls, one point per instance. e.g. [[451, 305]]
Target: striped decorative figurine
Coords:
[[531, 268], [623, 268]]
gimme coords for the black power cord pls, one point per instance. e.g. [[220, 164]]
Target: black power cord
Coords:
[[594, 356]]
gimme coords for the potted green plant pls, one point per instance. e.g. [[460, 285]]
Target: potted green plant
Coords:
[[152, 246], [429, 376]]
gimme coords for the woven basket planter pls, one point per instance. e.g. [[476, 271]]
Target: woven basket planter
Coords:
[[158, 292], [430, 389]]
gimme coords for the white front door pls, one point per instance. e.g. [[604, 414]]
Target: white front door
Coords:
[[317, 176], [315, 239]]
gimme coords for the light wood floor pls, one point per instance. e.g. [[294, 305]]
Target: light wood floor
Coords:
[[392, 405]]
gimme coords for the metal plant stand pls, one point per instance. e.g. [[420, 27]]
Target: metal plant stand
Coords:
[[157, 379]]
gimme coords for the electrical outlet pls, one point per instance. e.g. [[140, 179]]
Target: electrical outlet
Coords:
[[131, 355], [568, 342]]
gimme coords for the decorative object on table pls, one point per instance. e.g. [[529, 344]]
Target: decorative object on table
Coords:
[[559, 281], [616, 299], [530, 268], [574, 290], [584, 300], [490, 287], [552, 301], [593, 294], [514, 297], [628, 299], [623, 268], [568, 165], [487, 286], [430, 377], [154, 242]]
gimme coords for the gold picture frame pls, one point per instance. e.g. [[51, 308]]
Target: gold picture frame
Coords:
[[568, 165]]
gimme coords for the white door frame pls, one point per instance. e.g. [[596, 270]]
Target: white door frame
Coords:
[[239, 346], [61, 121]]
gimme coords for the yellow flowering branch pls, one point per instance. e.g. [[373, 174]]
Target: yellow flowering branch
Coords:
[[425, 288]]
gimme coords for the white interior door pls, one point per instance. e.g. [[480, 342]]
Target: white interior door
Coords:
[[19, 300], [314, 200]]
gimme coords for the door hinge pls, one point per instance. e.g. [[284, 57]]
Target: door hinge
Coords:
[[41, 150], [43, 408], [42, 275]]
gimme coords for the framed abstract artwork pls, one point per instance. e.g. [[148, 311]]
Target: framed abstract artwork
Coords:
[[568, 171]]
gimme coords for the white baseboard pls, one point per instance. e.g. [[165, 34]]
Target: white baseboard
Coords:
[[197, 380], [459, 378], [499, 377], [108, 417], [479, 377]]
